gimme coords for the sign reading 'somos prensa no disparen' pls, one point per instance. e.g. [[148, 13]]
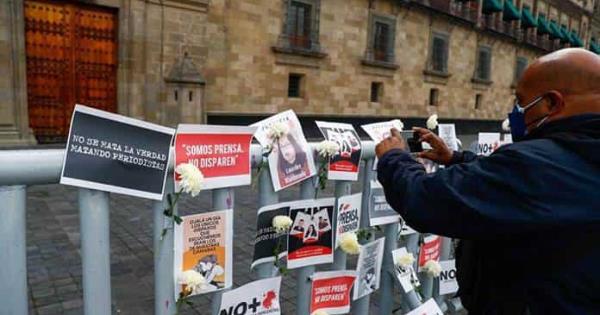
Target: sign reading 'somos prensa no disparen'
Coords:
[[222, 153]]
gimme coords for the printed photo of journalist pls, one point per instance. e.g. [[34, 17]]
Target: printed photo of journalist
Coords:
[[208, 266], [292, 161], [310, 228]]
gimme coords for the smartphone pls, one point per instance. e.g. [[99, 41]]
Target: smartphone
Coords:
[[413, 142]]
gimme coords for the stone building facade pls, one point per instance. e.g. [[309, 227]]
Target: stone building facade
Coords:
[[235, 61]]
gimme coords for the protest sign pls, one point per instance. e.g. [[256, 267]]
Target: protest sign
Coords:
[[448, 283], [291, 159], [114, 153], [507, 139], [310, 241], [448, 133], [266, 237], [381, 130], [342, 166], [406, 275], [331, 291], [222, 153], [380, 212], [348, 215], [488, 142], [260, 297], [368, 270], [430, 307], [430, 249], [203, 242], [404, 228]]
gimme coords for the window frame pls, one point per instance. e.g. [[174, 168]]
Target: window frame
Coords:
[[286, 40], [301, 78], [518, 75], [446, 54], [377, 87], [476, 77], [390, 54]]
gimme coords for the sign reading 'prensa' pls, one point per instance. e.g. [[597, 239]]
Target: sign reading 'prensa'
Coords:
[[114, 153], [222, 153]]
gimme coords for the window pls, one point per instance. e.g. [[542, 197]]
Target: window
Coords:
[[478, 101], [300, 33], [521, 65], [299, 22], [295, 85], [439, 53], [484, 61], [376, 91], [381, 39], [433, 97]]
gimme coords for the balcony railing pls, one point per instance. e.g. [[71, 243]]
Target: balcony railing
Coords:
[[495, 23], [464, 10]]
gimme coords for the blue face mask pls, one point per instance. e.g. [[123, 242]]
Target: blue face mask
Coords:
[[516, 118]]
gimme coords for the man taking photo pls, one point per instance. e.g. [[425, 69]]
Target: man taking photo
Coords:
[[529, 214]]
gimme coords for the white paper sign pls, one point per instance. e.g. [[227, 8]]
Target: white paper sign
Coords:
[[258, 297], [381, 130], [368, 270], [405, 275], [488, 142], [291, 160], [345, 164], [428, 308], [348, 215], [448, 133], [448, 283]]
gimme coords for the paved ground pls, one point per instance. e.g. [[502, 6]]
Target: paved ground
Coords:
[[54, 262]]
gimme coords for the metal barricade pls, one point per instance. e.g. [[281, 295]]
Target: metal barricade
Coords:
[[21, 168]]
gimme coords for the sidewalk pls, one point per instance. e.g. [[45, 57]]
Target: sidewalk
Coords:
[[54, 261]]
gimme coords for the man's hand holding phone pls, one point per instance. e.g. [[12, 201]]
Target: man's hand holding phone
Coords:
[[439, 153]]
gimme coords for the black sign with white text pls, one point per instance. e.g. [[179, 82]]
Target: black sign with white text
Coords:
[[110, 152]]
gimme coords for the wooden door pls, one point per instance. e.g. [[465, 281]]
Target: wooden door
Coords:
[[71, 53]]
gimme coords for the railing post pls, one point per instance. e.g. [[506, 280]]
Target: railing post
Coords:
[[342, 188], [387, 281], [222, 199], [95, 250], [445, 250], [303, 287], [13, 286], [361, 306], [411, 299], [426, 283], [164, 284], [266, 196]]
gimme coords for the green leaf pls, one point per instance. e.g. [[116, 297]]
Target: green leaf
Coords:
[[177, 219]]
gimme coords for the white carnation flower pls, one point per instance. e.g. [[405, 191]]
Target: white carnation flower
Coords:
[[282, 223], [190, 178], [319, 312], [327, 148], [349, 243], [278, 130], [192, 279], [432, 122], [432, 268], [406, 260], [398, 124], [506, 125]]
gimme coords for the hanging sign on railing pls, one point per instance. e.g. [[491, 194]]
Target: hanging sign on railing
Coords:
[[348, 215], [311, 237], [381, 130], [203, 242], [222, 153], [342, 166], [260, 297], [368, 270], [430, 249], [403, 269], [448, 283], [114, 153], [331, 291], [448, 134], [428, 308], [488, 142], [291, 159], [380, 212], [267, 239]]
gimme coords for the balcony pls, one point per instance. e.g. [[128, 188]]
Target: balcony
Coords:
[[531, 38], [493, 22], [465, 10]]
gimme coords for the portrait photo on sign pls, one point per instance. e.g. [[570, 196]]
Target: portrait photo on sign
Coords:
[[368, 269], [342, 166], [267, 238], [405, 272], [310, 240], [203, 242], [114, 153], [291, 157]]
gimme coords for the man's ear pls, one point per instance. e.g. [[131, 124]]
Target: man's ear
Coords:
[[556, 101]]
